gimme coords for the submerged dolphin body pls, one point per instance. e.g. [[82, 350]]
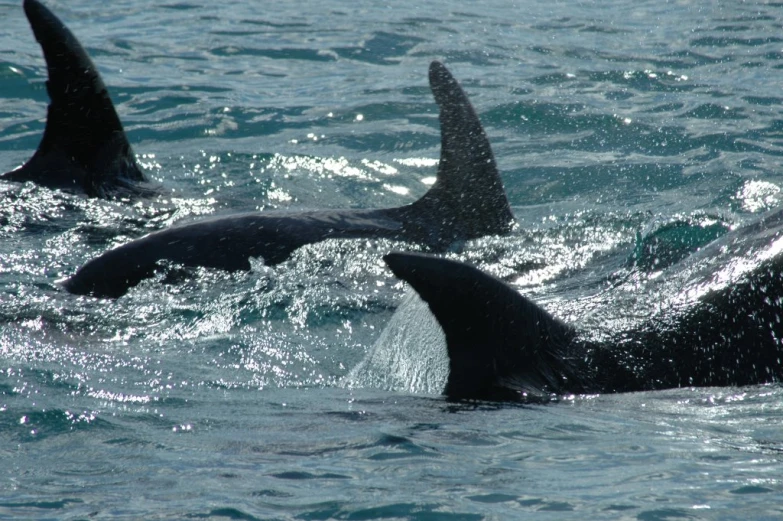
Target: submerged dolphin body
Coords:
[[502, 346], [467, 201], [84, 148]]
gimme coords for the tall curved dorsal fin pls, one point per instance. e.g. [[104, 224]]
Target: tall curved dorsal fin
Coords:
[[84, 147], [468, 191], [501, 345]]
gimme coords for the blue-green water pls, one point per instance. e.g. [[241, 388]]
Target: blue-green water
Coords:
[[627, 135]]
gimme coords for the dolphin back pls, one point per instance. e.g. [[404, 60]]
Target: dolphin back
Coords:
[[467, 201], [84, 147], [501, 346]]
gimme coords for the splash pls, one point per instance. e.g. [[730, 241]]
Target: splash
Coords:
[[409, 356]]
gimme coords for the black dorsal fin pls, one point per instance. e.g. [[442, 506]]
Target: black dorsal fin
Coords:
[[468, 191], [500, 344], [84, 147]]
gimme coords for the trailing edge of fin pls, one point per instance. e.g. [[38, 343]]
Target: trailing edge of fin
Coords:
[[468, 190], [84, 146], [500, 344]]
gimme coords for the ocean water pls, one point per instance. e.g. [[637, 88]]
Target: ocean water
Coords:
[[628, 136]]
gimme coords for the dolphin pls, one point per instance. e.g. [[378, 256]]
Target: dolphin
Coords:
[[466, 201], [84, 148], [503, 347]]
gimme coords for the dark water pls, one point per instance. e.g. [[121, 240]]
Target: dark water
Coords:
[[628, 136]]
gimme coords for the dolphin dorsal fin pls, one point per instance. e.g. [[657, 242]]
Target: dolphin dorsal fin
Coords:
[[501, 345], [84, 146], [468, 184]]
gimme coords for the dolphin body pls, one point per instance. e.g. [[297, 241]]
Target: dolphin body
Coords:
[[503, 347], [467, 201], [84, 148]]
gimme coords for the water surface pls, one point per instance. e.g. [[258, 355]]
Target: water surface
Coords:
[[627, 136]]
